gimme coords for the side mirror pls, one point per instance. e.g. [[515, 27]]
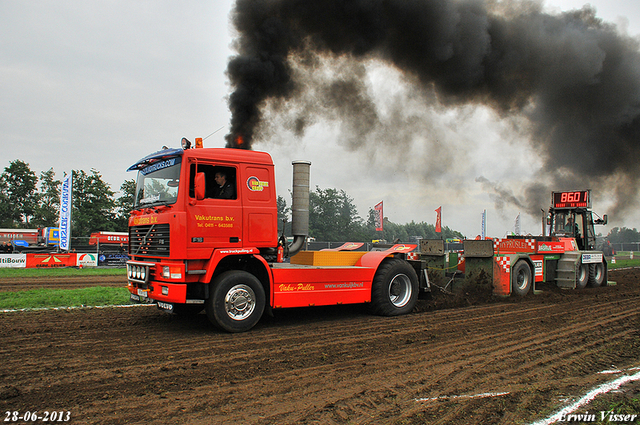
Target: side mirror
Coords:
[[604, 219], [200, 186]]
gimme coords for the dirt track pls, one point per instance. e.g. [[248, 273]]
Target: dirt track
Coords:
[[325, 365]]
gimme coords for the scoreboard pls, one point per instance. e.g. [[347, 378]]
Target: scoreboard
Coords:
[[573, 199]]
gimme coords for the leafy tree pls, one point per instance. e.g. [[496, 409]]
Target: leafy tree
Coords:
[[47, 209], [93, 204], [623, 235], [19, 189], [124, 204], [333, 216], [6, 219], [283, 215]]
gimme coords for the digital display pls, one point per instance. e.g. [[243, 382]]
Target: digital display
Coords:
[[574, 199]]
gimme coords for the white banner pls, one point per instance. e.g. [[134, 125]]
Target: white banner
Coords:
[[13, 260], [87, 260], [65, 212]]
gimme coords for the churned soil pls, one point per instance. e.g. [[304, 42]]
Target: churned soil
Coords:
[[464, 360], [63, 282]]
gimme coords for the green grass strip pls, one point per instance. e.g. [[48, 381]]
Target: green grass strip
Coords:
[[619, 264], [48, 298], [61, 272]]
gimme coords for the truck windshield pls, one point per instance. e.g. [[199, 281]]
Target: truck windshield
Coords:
[[158, 183]]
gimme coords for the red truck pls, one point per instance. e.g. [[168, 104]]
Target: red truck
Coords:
[[109, 238], [203, 235]]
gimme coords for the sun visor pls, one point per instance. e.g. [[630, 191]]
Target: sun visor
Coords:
[[156, 156]]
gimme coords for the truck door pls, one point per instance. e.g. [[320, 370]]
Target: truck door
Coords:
[[216, 220], [590, 234]]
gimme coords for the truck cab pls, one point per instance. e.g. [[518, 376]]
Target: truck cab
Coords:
[[203, 234], [570, 216]]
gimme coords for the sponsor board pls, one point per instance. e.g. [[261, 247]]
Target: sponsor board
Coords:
[[538, 264], [113, 259], [591, 258], [51, 260], [87, 260], [13, 260], [551, 247]]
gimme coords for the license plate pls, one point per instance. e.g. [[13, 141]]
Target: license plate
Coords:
[[135, 298], [165, 306], [142, 293]]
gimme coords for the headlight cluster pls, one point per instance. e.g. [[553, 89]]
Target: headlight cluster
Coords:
[[137, 272]]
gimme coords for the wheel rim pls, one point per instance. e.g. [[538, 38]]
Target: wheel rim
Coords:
[[400, 290], [522, 279], [240, 302], [583, 273]]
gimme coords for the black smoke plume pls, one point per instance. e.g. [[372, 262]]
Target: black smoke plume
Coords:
[[574, 77]]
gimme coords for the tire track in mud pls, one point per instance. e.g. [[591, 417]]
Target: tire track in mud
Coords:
[[15, 284], [334, 365]]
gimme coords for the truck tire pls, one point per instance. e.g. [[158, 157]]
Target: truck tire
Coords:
[[596, 274], [521, 279], [394, 290], [237, 301], [583, 276]]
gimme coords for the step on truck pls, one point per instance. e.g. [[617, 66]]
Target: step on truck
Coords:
[[513, 265], [203, 235]]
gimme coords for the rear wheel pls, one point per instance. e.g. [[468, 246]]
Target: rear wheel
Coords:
[[521, 279], [237, 301], [583, 276], [596, 274], [394, 289]]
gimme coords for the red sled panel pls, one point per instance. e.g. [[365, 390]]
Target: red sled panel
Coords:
[[309, 286]]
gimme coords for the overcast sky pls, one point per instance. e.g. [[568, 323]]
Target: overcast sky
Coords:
[[98, 85]]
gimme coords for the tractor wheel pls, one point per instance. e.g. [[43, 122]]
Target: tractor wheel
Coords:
[[596, 274], [521, 279], [394, 289], [237, 301], [583, 276]]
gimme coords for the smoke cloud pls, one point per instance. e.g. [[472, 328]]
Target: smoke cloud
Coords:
[[574, 78]]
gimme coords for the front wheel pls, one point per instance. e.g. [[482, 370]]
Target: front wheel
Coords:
[[237, 301], [583, 276], [394, 289], [521, 278]]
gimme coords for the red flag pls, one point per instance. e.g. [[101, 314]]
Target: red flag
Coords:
[[439, 220], [378, 216]]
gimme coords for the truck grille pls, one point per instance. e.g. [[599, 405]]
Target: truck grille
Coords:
[[150, 240]]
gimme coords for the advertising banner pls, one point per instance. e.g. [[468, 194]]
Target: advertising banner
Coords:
[[13, 260], [51, 260], [87, 260], [379, 218], [65, 212], [113, 259], [439, 220]]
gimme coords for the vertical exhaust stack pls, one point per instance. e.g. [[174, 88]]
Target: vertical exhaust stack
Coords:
[[300, 206]]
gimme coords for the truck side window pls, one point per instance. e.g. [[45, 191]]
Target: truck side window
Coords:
[[225, 183], [220, 181]]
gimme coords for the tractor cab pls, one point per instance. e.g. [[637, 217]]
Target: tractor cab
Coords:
[[570, 216]]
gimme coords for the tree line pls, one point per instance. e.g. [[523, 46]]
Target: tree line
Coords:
[[333, 217], [28, 201]]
